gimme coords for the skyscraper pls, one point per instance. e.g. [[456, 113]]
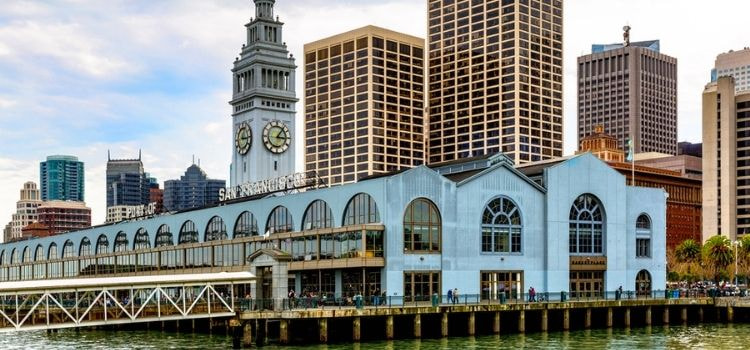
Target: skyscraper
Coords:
[[192, 190], [631, 89], [364, 102], [495, 79], [726, 162], [127, 183], [26, 210], [61, 178], [263, 100], [735, 64]]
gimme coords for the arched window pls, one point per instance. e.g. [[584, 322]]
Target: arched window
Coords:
[[318, 215], [586, 225], [141, 241], [102, 245], [643, 236], [2, 258], [163, 236], [85, 247], [52, 252], [54, 268], [26, 256], [27, 270], [246, 225], [643, 283], [215, 230], [68, 249], [39, 254], [279, 221], [188, 233], [14, 256], [361, 209], [40, 268], [422, 226], [121, 242], [501, 227], [70, 267]]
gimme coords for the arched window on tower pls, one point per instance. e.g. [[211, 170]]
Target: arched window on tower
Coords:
[[643, 236]]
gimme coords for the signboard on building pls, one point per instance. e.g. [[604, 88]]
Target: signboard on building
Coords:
[[284, 183]]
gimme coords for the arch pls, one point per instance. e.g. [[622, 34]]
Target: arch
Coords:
[[141, 240], [246, 225], [26, 255], [52, 251], [3, 257], [121, 242], [643, 283], [361, 209], [102, 245], [68, 249], [39, 253], [163, 237], [501, 226], [85, 247], [188, 233], [317, 215], [14, 256], [422, 226], [643, 222], [216, 230], [643, 236], [280, 220], [586, 225]]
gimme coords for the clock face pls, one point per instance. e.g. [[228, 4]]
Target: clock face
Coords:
[[243, 139], [276, 137]]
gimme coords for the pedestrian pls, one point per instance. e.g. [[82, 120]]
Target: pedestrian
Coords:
[[455, 295], [450, 295], [532, 294], [618, 295]]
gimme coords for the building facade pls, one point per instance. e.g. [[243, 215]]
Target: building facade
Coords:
[[127, 183], [263, 101], [64, 216], [364, 104], [686, 165], [631, 89], [480, 225], [26, 210], [726, 160], [495, 79], [62, 178], [735, 64], [192, 190]]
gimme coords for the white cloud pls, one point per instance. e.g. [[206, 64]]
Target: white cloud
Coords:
[[6, 102]]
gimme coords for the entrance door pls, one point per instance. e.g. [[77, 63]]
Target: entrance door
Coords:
[[264, 292], [643, 283], [586, 284]]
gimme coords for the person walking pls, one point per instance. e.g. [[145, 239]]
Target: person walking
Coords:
[[450, 295], [455, 295]]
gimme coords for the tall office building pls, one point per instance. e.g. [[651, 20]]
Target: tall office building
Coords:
[[735, 64], [127, 183], [726, 160], [26, 210], [631, 89], [364, 104], [61, 178], [495, 79], [192, 190]]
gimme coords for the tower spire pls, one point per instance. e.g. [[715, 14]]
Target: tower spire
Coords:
[[264, 8]]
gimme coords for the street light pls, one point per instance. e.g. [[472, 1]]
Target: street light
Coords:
[[736, 245]]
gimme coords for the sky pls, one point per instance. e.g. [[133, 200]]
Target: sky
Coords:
[[81, 77]]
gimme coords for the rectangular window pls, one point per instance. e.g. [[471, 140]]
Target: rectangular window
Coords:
[[643, 247], [495, 283], [419, 286]]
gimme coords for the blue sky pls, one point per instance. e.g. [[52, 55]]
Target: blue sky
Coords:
[[82, 76]]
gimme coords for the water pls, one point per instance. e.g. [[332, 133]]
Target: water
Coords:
[[708, 336]]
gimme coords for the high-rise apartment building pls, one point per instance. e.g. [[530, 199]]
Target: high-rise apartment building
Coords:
[[631, 89], [61, 178], [364, 104], [495, 79], [127, 183], [726, 160], [192, 190], [735, 64], [26, 210], [64, 216]]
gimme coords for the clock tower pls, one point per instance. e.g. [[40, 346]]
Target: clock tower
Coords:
[[263, 102]]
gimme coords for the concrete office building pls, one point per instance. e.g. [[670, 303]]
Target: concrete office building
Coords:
[[26, 210], [61, 178], [726, 160], [127, 183], [495, 79], [364, 104], [735, 64], [631, 89], [64, 216], [192, 190]]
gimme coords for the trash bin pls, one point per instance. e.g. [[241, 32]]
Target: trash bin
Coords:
[[563, 296], [434, 300], [502, 298], [676, 294], [666, 294]]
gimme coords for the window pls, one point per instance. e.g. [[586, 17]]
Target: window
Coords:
[[70, 268], [501, 227], [85, 249], [422, 226], [495, 283], [141, 240], [318, 215], [361, 209], [163, 236], [419, 286], [39, 254], [643, 283], [121, 242], [215, 230], [586, 225], [279, 221], [643, 236], [246, 225], [102, 245], [188, 233]]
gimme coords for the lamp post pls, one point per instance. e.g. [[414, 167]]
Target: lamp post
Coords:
[[736, 245]]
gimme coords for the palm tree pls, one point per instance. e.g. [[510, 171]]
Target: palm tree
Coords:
[[717, 255], [687, 258], [743, 257]]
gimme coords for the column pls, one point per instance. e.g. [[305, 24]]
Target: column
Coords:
[[444, 325], [247, 334], [627, 317], [417, 326], [730, 314], [609, 317], [545, 319], [684, 315], [284, 331], [522, 321], [472, 323], [700, 314], [648, 315], [587, 321], [323, 329], [389, 327], [665, 316], [496, 323], [357, 329]]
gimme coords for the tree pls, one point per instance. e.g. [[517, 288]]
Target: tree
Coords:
[[743, 257], [717, 256], [687, 260]]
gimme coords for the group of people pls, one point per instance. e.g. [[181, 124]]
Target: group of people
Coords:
[[453, 295]]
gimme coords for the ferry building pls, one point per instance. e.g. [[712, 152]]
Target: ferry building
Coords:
[[481, 225]]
